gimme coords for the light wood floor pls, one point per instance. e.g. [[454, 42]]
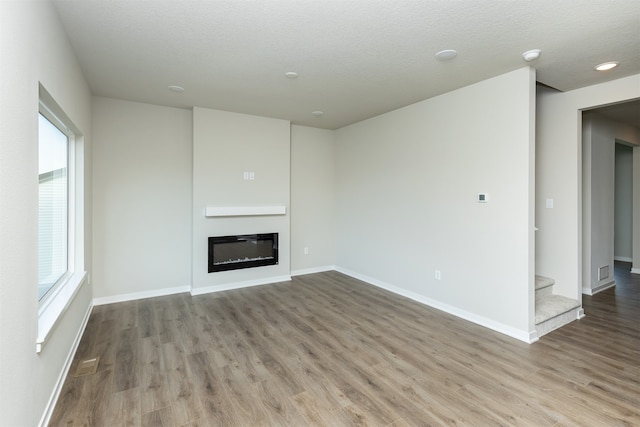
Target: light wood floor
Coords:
[[328, 350]]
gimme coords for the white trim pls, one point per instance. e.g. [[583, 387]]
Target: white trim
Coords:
[[50, 313], [140, 295], [55, 394], [238, 285], [593, 291], [526, 336], [244, 210], [635, 270], [622, 258], [313, 270]]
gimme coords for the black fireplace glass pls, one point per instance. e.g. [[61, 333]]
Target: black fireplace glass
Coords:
[[242, 251]]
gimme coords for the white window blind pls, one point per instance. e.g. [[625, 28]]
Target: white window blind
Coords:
[[53, 206]]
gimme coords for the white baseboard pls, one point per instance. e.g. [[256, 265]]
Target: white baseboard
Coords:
[[635, 270], [140, 295], [51, 404], [526, 336], [239, 285], [304, 271], [622, 258], [593, 291]]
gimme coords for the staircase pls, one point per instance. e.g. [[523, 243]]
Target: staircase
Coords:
[[553, 311]]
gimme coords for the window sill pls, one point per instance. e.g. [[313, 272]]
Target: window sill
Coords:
[[51, 312]]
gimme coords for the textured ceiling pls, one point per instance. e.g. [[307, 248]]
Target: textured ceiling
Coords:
[[355, 58]]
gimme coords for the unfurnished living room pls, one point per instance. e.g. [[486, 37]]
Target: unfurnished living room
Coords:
[[319, 212]]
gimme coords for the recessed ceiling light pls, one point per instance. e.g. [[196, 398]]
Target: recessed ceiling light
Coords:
[[606, 66], [445, 55], [177, 89], [317, 113], [291, 75], [531, 55]]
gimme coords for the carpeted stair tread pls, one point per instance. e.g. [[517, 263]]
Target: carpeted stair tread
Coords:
[[550, 306], [543, 282]]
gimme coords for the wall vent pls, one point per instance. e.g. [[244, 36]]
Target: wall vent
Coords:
[[603, 272], [87, 367]]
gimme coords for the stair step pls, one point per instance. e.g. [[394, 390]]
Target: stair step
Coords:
[[550, 306], [543, 282], [544, 286], [554, 311]]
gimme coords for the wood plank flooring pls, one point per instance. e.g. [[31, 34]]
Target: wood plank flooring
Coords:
[[328, 350]]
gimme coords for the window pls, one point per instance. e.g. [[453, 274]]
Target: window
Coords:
[[60, 215], [53, 206]]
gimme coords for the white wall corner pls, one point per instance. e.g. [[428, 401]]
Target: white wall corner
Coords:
[[313, 270]]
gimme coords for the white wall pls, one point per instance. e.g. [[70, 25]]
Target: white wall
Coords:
[[559, 176], [407, 183], [312, 199], [33, 49], [635, 267], [599, 135], [623, 209], [225, 145], [142, 199]]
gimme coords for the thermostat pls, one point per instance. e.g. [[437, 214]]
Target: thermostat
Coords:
[[483, 197]]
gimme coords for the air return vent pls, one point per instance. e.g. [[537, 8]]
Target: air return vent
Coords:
[[603, 272]]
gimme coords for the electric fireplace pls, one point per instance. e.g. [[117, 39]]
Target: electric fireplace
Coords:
[[243, 251]]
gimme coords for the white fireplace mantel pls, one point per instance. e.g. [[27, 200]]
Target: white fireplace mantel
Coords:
[[216, 211]]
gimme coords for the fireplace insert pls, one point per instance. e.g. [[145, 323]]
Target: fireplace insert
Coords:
[[243, 251]]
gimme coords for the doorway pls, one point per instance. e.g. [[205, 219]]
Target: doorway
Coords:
[[608, 137]]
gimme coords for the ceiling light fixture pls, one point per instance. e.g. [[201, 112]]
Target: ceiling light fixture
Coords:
[[531, 55], [446, 55], [291, 75], [606, 66], [317, 113], [177, 89]]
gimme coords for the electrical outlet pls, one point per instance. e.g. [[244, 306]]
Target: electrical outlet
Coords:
[[438, 275]]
